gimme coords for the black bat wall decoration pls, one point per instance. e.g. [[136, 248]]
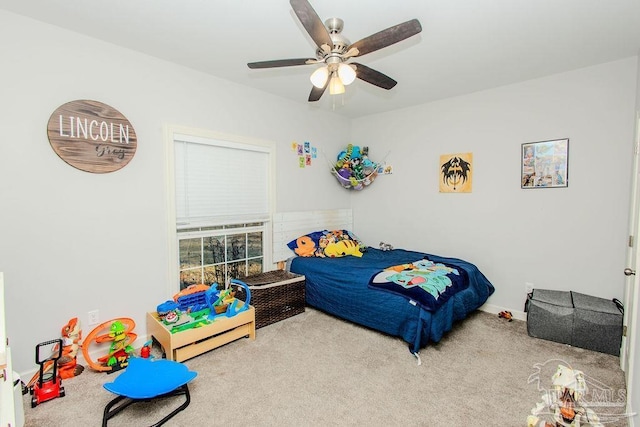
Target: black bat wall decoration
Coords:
[[455, 172]]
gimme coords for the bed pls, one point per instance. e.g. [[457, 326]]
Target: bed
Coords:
[[374, 288]]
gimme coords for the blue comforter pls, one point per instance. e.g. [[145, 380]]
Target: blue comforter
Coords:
[[340, 286]]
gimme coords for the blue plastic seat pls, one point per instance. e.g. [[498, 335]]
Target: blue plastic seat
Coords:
[[145, 380]]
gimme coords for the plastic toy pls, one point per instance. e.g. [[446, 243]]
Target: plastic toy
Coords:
[[198, 305], [506, 315], [220, 304], [145, 351], [71, 335], [67, 363], [119, 332], [234, 308], [119, 349], [49, 384], [193, 299]]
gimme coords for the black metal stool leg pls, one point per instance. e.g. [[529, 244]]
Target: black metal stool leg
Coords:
[[111, 409], [109, 412], [184, 389]]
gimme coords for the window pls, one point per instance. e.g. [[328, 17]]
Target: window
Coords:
[[222, 205], [215, 256]]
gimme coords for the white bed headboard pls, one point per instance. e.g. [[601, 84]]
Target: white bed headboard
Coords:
[[290, 225]]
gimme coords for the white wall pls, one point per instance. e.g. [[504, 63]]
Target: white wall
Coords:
[[72, 241], [569, 239]]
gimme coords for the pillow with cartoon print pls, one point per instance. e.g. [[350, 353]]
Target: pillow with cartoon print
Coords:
[[306, 245], [331, 244]]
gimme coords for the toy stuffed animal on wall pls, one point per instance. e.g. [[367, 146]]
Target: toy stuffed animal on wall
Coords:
[[353, 169]]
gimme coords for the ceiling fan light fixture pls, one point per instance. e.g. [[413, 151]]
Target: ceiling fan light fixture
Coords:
[[334, 50], [319, 77], [335, 85], [346, 73]]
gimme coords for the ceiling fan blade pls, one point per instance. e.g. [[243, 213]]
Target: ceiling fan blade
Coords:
[[312, 23], [387, 37], [374, 77], [316, 93], [281, 63]]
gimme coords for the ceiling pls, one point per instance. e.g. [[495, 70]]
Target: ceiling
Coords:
[[465, 45]]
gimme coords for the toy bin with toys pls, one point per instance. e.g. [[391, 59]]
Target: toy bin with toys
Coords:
[[353, 169], [200, 318]]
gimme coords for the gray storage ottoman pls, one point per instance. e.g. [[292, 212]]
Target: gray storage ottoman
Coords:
[[597, 324], [577, 319], [550, 315]]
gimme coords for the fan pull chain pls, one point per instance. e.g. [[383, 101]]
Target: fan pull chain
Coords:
[[333, 101]]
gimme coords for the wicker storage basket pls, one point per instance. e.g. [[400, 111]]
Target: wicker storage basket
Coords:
[[276, 295]]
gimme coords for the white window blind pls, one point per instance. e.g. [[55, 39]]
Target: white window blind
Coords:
[[220, 182]]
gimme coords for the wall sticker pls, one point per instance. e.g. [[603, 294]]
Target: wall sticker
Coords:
[[306, 152]]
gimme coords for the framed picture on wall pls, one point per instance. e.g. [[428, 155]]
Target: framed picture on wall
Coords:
[[545, 164]]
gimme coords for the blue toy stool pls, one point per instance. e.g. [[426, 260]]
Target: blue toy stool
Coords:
[[145, 380]]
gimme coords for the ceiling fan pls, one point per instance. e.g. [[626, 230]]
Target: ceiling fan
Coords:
[[334, 52]]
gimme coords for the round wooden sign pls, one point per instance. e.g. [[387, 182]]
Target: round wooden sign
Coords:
[[92, 136]]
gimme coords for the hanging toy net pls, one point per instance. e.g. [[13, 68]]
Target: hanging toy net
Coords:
[[353, 169]]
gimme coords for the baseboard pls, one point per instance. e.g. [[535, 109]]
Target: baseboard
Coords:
[[490, 308]]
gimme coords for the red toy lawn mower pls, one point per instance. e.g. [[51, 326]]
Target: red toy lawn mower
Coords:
[[49, 384]]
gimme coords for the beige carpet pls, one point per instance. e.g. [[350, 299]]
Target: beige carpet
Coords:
[[313, 369]]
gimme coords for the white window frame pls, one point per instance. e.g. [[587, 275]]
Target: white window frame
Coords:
[[173, 131]]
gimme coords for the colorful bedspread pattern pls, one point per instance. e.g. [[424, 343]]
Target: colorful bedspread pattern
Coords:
[[427, 283]]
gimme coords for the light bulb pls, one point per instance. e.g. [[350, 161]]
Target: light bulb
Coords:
[[319, 77], [346, 73], [335, 85]]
